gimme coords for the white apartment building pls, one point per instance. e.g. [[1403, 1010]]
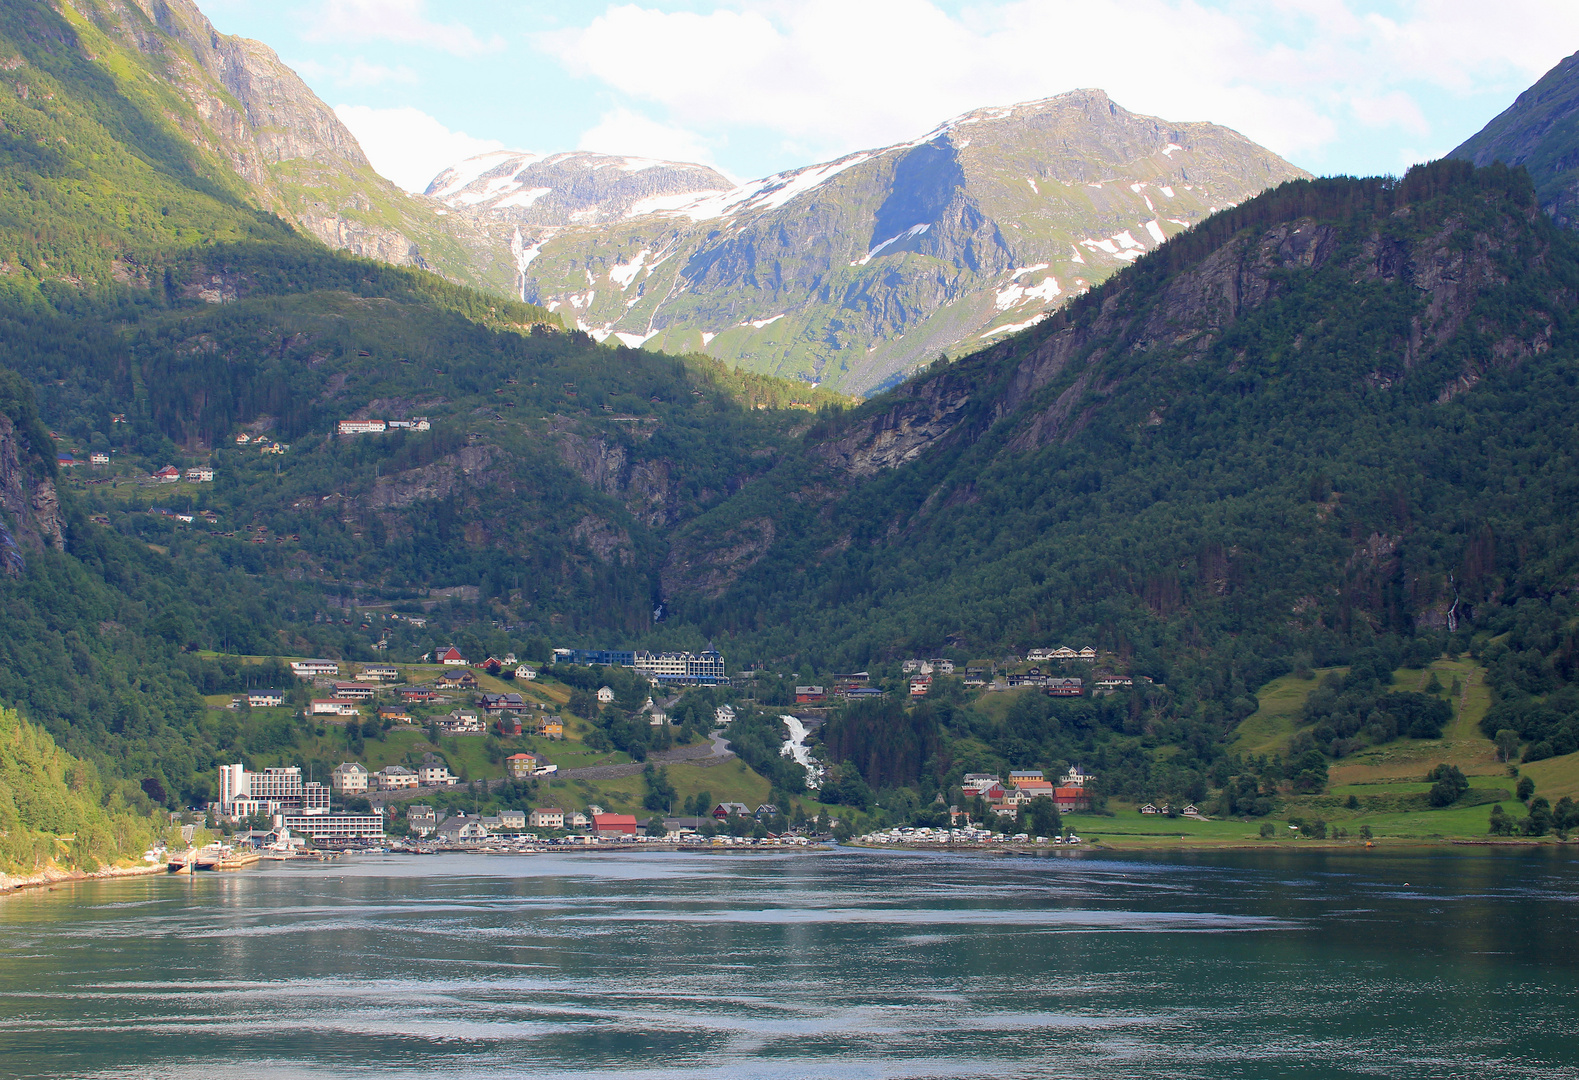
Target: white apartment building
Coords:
[[337, 828], [333, 707], [362, 427], [265, 700], [243, 793]]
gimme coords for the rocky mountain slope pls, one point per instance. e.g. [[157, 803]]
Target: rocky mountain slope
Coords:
[[1539, 131], [852, 272], [234, 98], [534, 191]]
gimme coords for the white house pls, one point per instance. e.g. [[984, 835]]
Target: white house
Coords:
[[512, 819], [436, 776], [394, 778], [200, 475], [457, 829], [333, 707], [421, 819], [911, 666], [307, 669], [724, 715], [362, 427], [547, 817], [942, 666], [605, 695], [524, 672], [348, 778], [266, 700]]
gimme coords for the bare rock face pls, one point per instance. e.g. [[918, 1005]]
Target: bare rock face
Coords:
[[647, 488], [29, 506], [902, 433], [710, 571], [609, 542], [436, 481]]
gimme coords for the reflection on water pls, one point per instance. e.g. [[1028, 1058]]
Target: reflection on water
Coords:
[[853, 964]]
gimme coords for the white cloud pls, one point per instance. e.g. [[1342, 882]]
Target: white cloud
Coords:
[[835, 76], [357, 72], [401, 21], [407, 145], [621, 131]]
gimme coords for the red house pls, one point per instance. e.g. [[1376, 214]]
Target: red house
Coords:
[[614, 825], [452, 657], [1069, 799]]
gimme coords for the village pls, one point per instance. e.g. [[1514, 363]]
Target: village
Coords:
[[450, 703]]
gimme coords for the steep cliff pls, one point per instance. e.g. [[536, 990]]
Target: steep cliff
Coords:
[[298, 159], [30, 517]]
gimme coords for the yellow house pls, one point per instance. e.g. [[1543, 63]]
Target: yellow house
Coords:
[[551, 727]]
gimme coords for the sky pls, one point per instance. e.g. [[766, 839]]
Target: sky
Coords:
[[754, 87]]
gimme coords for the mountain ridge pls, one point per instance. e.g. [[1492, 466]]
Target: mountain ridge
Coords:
[[1539, 132], [821, 272]]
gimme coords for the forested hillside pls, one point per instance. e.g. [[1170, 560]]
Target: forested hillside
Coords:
[[1337, 419], [153, 311]]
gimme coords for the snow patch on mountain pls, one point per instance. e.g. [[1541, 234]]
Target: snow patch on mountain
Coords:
[[771, 192], [622, 274], [1156, 231], [1012, 327], [464, 173], [914, 230], [760, 323], [525, 198], [636, 341], [1015, 295]]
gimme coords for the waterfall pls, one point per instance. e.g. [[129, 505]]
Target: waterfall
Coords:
[[795, 747]]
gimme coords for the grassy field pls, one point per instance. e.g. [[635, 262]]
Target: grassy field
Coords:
[[1270, 727], [1380, 777]]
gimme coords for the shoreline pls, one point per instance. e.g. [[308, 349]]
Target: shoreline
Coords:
[[55, 876]]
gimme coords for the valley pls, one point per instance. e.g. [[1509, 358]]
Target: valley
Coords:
[[1306, 426]]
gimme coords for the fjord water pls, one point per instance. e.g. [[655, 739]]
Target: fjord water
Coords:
[[849, 964]]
